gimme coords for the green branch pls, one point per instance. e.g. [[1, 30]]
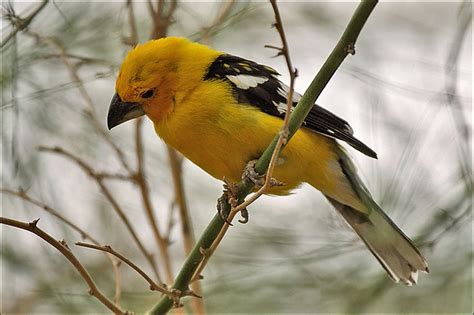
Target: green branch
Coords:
[[345, 46]]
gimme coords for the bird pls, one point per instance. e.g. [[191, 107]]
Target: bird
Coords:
[[221, 111]]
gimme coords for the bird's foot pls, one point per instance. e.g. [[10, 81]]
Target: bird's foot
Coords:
[[252, 175], [245, 216], [227, 201], [259, 180]]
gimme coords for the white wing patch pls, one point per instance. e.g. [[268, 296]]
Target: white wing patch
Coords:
[[281, 107], [245, 81], [283, 91]]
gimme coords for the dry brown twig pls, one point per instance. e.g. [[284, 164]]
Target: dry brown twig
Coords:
[[283, 137], [186, 228], [115, 205], [19, 23], [22, 194], [173, 294], [89, 105], [161, 17], [62, 247], [147, 205], [108, 249], [224, 12]]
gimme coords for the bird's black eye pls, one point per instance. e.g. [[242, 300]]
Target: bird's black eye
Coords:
[[148, 94]]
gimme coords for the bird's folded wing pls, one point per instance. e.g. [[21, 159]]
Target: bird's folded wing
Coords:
[[259, 86]]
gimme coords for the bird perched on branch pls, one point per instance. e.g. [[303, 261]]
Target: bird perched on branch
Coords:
[[222, 111]]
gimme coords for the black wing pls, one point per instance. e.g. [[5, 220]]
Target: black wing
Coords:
[[259, 86]]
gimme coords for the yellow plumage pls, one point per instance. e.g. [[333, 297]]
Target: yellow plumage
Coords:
[[212, 127]]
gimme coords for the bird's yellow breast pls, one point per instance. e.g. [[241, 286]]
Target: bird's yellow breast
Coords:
[[221, 136]]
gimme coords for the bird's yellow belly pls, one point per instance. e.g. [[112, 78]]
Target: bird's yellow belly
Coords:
[[223, 137]]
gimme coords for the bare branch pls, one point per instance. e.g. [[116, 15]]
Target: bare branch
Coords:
[[89, 105], [131, 40], [175, 160], [62, 247], [226, 8], [147, 205], [106, 192], [19, 23], [106, 248], [23, 195]]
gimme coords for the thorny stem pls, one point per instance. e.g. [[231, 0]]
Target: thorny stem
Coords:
[[62, 247], [344, 46]]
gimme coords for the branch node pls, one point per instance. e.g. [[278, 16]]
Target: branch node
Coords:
[[350, 48], [190, 292], [176, 295], [204, 251], [33, 223], [64, 243]]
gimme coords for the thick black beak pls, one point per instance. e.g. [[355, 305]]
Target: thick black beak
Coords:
[[120, 111]]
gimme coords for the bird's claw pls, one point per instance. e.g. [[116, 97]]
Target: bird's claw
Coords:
[[227, 201], [245, 216], [223, 207], [251, 174]]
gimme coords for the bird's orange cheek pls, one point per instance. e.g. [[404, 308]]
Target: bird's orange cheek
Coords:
[[158, 109]]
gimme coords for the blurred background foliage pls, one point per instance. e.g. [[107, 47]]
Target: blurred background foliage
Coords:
[[407, 93]]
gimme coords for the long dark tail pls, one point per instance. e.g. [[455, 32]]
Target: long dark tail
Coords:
[[392, 248]]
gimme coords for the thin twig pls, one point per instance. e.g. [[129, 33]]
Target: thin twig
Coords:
[[161, 242], [56, 213], [89, 105], [118, 281], [106, 248], [452, 224], [62, 247], [83, 59], [225, 9], [461, 124], [106, 192], [131, 40], [186, 228], [161, 17], [21, 23], [139, 176]]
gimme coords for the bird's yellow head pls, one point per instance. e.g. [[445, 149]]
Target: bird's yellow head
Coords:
[[153, 74]]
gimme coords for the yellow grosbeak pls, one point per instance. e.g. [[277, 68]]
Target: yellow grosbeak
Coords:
[[222, 111]]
